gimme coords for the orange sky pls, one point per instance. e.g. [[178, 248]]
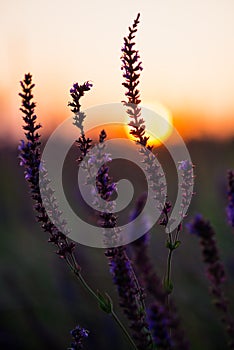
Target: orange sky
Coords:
[[187, 49]]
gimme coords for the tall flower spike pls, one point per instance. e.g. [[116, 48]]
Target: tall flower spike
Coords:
[[130, 296], [215, 271], [164, 320], [230, 207], [29, 154], [93, 160], [131, 67], [131, 72], [120, 265], [130, 292]]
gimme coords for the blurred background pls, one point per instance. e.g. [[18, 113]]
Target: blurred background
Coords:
[[187, 51]]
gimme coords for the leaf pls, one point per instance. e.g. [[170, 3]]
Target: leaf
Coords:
[[169, 245], [105, 302], [177, 244], [168, 286]]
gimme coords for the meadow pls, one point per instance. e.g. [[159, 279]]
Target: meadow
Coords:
[[40, 299]]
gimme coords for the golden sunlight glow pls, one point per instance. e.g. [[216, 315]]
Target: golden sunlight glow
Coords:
[[158, 122], [187, 66]]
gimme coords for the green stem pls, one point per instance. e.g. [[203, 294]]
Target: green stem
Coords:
[[77, 272], [167, 281], [169, 262], [177, 234], [123, 329], [85, 285], [172, 244]]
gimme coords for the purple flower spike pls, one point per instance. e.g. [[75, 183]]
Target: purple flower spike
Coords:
[[131, 68], [230, 207], [29, 155], [215, 272]]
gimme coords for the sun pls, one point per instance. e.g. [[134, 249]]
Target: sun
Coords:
[[158, 122]]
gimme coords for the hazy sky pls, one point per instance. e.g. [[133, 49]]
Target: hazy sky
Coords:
[[187, 49]]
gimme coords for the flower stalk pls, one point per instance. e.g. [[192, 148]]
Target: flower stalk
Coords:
[[105, 189], [30, 155], [215, 271]]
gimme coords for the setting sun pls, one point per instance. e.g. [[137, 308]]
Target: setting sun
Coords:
[[115, 119], [158, 121]]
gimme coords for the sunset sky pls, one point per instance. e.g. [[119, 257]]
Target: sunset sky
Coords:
[[187, 49]]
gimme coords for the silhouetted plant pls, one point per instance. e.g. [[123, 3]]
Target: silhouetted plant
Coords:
[[30, 154], [156, 326], [230, 207], [215, 272], [132, 67], [130, 295]]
